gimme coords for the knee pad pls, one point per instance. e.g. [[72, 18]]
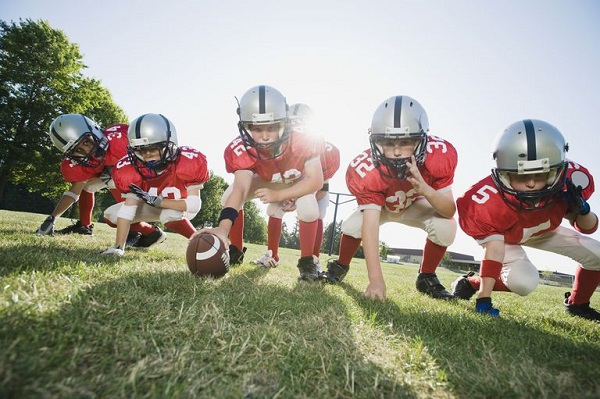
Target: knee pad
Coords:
[[274, 210], [171, 215], [353, 225], [442, 231], [520, 277], [307, 208], [111, 212]]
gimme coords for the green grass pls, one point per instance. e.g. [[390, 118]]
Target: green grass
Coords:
[[74, 324]]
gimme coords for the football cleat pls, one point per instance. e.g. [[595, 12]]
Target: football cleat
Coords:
[[335, 272], [484, 306], [236, 257], [428, 284], [266, 260], [77, 228], [462, 288], [308, 269], [147, 241], [584, 310], [132, 239]]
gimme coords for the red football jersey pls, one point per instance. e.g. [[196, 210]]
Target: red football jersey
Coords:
[[189, 169], [117, 148], [483, 213], [330, 160], [369, 186], [287, 168]]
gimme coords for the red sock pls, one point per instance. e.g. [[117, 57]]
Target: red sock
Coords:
[[274, 235], [236, 234], [318, 238], [432, 256], [140, 227], [348, 247], [183, 227], [116, 195], [475, 282], [307, 231], [86, 206], [584, 285]]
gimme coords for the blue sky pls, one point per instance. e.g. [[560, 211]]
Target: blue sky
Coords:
[[476, 66]]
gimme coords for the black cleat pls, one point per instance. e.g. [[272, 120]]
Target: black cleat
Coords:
[[308, 269], [152, 239], [428, 284], [236, 257], [132, 239], [462, 289], [584, 310], [335, 272], [77, 228]]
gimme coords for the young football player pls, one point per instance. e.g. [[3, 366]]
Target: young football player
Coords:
[[89, 154], [301, 120], [405, 177], [275, 166], [160, 181], [522, 203]]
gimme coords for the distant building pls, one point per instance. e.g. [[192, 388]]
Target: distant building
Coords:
[[459, 261]]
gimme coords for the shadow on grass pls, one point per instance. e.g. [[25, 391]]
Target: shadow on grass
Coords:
[[167, 334], [477, 351]]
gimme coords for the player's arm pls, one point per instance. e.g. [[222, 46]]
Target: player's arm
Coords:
[[125, 216], [370, 243], [491, 267], [242, 180], [441, 201], [311, 182], [68, 198]]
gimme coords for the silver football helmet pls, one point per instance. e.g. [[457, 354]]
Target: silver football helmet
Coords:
[[152, 130], [301, 118], [263, 105], [398, 117], [69, 130], [526, 147]]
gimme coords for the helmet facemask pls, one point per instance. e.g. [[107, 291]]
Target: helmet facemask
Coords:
[[395, 168], [261, 106], [152, 131], [529, 147], [92, 159]]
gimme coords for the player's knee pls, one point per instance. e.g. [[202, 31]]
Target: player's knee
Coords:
[[170, 215], [111, 212], [307, 208], [522, 278], [275, 210], [443, 232]]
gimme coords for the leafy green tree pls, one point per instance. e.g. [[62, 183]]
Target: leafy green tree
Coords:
[[41, 78], [211, 202], [383, 250], [327, 244], [255, 227]]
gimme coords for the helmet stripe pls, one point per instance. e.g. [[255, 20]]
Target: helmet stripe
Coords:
[[530, 134], [58, 137], [397, 111], [168, 127], [261, 100], [138, 127]]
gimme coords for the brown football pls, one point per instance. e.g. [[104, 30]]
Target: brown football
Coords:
[[206, 256]]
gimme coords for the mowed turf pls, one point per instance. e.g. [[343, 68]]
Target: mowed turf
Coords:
[[75, 324]]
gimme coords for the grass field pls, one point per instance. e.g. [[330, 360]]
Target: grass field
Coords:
[[74, 324]]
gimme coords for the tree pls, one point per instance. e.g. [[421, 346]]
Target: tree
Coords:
[[255, 228], [383, 250], [41, 78], [327, 241], [211, 201]]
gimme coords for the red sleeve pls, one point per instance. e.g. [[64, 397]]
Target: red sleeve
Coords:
[[192, 168], [330, 160], [482, 211], [440, 163], [364, 181], [580, 176], [117, 143], [125, 174], [237, 158]]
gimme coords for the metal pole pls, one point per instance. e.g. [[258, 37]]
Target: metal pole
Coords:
[[337, 199]]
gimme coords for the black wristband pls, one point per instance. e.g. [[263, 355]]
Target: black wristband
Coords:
[[228, 213]]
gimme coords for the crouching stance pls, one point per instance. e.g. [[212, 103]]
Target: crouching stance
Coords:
[[532, 188], [160, 181]]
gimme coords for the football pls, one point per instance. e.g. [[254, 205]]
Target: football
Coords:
[[206, 256]]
